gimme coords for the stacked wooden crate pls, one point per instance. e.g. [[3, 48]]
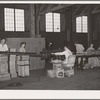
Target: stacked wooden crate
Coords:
[[12, 64], [23, 63], [4, 74]]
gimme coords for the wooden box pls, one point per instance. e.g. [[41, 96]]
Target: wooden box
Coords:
[[13, 75], [23, 63], [23, 57], [26, 71], [12, 58], [13, 50], [51, 73], [3, 67], [69, 73], [3, 58], [57, 66], [23, 71], [12, 67], [4, 77]]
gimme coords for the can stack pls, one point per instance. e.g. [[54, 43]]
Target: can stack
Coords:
[[12, 64], [23, 63], [4, 74]]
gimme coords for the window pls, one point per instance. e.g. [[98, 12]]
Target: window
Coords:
[[14, 19], [81, 24], [52, 22]]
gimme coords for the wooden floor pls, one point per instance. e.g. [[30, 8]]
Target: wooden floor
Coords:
[[89, 79]]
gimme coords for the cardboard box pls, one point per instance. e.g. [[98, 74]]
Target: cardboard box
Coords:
[[3, 58], [13, 75], [4, 68], [4, 77]]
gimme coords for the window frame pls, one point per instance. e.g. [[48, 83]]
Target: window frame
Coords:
[[82, 27], [14, 20], [53, 23]]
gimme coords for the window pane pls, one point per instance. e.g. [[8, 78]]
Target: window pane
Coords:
[[56, 22], [78, 24], [9, 19], [84, 21], [49, 22], [19, 19]]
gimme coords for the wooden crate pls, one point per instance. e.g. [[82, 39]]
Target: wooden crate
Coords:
[[69, 72], [4, 77], [12, 58], [51, 73], [26, 71], [13, 75], [13, 50], [23, 71], [23, 58], [3, 58], [12, 67], [3, 67], [23, 63]]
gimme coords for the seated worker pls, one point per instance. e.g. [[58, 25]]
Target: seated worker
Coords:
[[93, 61], [3, 45], [66, 52], [79, 47], [22, 47]]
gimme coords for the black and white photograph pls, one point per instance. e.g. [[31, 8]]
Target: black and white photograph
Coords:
[[51, 46]]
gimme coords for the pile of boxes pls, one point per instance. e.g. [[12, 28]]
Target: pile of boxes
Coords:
[[57, 71], [60, 70], [23, 65], [12, 64], [4, 74]]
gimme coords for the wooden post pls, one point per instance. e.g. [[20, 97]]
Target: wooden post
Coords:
[[32, 9], [69, 25], [90, 27]]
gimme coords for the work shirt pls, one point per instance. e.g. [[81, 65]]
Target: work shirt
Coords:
[[22, 49], [67, 53], [3, 47], [79, 48]]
